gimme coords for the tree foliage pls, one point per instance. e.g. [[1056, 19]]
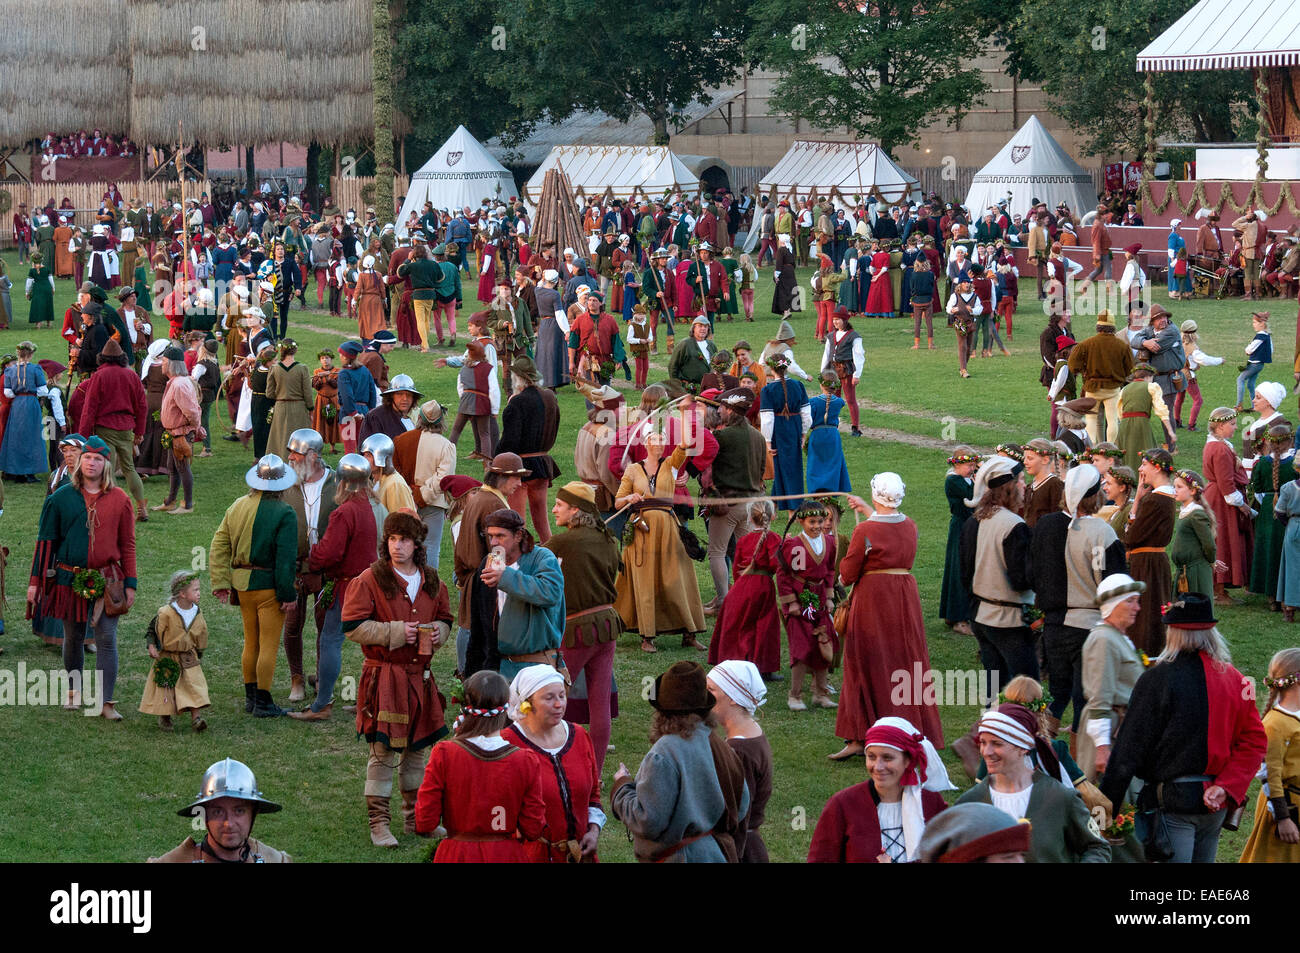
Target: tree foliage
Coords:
[[885, 72], [621, 57], [1084, 55]]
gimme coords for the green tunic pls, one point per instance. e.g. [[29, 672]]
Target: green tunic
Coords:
[[143, 296], [1268, 532], [42, 308], [1135, 432], [45, 244], [1192, 552], [849, 289], [896, 281], [730, 266]]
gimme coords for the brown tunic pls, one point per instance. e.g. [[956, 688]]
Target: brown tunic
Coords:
[[1043, 497], [1152, 529]]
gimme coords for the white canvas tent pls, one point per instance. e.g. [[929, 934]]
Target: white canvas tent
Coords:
[[619, 172], [462, 172], [835, 170], [1032, 166]]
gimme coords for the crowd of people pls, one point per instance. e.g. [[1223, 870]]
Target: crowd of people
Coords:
[[1127, 639]]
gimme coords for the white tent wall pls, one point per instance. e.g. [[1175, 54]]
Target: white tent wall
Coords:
[[1032, 165], [462, 172], [620, 172], [837, 171]]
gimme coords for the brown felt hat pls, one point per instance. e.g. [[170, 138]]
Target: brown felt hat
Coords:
[[682, 690]]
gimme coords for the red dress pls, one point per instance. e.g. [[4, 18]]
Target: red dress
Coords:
[[748, 626], [489, 801], [487, 277], [1224, 475], [566, 806], [848, 831], [880, 296], [684, 294], [802, 570], [886, 633]]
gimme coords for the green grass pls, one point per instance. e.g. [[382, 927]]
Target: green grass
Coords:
[[84, 790]]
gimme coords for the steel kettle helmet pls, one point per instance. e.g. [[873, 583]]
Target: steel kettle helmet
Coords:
[[229, 778], [305, 440]]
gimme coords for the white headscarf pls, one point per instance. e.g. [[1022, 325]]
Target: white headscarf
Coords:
[[936, 779], [887, 489], [742, 683], [528, 682], [152, 356], [1078, 483]]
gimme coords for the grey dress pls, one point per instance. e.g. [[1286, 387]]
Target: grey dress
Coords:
[[552, 348], [676, 796]]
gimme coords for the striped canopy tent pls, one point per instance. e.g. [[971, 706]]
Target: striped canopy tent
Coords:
[[462, 172], [1260, 35], [615, 172]]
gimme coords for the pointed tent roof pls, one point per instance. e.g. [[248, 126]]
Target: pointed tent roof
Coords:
[[1227, 34], [462, 172], [835, 170], [1032, 165], [621, 172]]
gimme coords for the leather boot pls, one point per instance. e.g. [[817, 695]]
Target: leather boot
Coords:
[[264, 705], [297, 688], [250, 697], [1221, 597], [380, 814], [408, 813]]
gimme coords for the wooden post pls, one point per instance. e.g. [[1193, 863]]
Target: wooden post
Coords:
[[185, 224]]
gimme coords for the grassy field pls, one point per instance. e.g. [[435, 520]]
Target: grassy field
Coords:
[[87, 790]]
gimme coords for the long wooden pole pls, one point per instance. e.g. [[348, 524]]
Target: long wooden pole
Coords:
[[185, 225]]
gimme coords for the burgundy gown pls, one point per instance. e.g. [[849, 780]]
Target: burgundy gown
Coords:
[[748, 626]]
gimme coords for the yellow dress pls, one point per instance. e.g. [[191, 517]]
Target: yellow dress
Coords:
[[657, 592], [1282, 763], [182, 644]]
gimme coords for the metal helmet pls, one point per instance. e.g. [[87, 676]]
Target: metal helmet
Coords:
[[379, 446], [270, 473], [229, 778], [305, 440], [402, 383], [353, 466]]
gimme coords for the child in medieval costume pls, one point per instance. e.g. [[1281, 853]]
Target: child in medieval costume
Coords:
[[1275, 838], [748, 626], [325, 416], [805, 584], [640, 335], [176, 639]]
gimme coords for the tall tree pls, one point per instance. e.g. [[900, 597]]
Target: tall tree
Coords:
[[626, 59], [445, 60], [884, 72], [382, 69], [1084, 55]]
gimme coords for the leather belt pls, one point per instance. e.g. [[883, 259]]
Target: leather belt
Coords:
[[1135, 413], [1146, 549], [896, 571]]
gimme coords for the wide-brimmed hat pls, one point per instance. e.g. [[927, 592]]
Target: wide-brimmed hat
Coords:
[[1157, 311], [271, 474], [508, 464], [402, 383], [682, 690], [1105, 319], [229, 778], [579, 494], [1191, 610]]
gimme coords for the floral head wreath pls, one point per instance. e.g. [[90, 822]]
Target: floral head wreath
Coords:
[[1282, 682], [1192, 479], [1035, 705], [965, 457], [1011, 450], [1150, 456]]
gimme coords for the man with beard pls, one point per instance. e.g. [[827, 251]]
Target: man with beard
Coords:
[[312, 500], [228, 803]]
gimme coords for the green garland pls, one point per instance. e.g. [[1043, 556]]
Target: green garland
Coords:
[[166, 672], [88, 584]]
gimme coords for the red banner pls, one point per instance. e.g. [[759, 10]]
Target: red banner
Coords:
[[101, 169]]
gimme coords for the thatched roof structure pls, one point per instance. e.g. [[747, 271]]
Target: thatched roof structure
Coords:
[[278, 71], [62, 68], [234, 72]]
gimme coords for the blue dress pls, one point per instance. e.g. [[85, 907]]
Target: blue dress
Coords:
[[786, 399], [23, 451], [827, 471], [1176, 244], [629, 295]]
